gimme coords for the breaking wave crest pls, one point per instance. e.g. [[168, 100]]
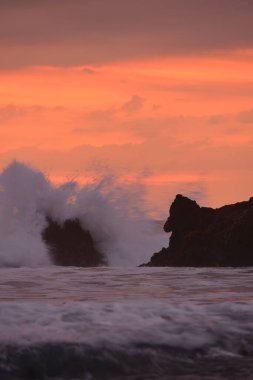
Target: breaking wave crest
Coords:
[[100, 341], [112, 213]]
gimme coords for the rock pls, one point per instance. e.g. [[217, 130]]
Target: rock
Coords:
[[202, 236], [70, 245]]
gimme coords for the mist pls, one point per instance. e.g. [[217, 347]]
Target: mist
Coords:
[[114, 215]]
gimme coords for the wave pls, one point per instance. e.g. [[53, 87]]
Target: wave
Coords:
[[70, 361], [109, 340], [110, 212]]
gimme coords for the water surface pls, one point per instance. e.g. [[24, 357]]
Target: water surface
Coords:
[[126, 323]]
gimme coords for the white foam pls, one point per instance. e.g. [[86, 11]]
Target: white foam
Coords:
[[112, 214], [187, 326]]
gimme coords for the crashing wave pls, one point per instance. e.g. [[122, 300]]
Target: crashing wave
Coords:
[[117, 231]]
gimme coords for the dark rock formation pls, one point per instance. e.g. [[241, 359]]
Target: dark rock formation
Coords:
[[203, 236], [70, 245]]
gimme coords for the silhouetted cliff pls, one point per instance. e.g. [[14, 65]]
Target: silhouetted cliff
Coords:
[[202, 236], [70, 245]]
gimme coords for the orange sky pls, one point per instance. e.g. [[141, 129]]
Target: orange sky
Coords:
[[174, 122]]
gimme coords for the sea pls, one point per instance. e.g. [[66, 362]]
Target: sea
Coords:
[[126, 323], [119, 322]]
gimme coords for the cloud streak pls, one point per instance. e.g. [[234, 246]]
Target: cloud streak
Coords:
[[67, 33]]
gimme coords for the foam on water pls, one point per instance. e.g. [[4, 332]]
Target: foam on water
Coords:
[[226, 329], [123, 338], [110, 212], [130, 323]]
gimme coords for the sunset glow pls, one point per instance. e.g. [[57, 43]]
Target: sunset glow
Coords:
[[186, 117]]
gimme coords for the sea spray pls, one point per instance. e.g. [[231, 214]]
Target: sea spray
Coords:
[[111, 212]]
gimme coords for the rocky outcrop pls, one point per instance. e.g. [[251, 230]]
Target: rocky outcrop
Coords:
[[70, 245], [202, 236]]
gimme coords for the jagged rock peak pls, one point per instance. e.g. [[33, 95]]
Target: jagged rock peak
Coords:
[[202, 236]]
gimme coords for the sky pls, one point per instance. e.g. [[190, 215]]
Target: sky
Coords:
[[155, 92]]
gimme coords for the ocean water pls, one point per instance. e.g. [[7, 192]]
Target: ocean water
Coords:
[[121, 321], [126, 323]]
